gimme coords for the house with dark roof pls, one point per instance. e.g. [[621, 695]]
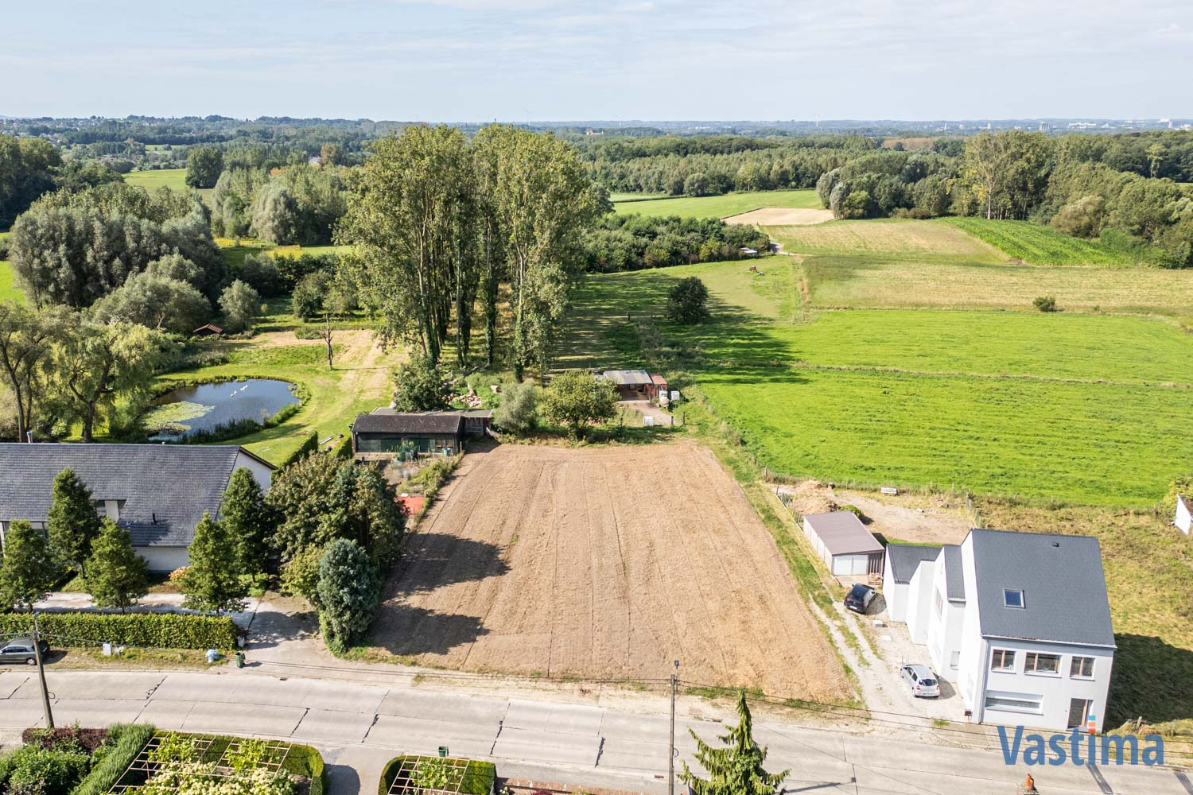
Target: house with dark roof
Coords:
[[387, 433], [844, 543], [1019, 623], [900, 568], [158, 492]]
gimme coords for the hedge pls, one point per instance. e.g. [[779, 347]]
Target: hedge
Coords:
[[304, 760], [479, 777], [309, 445], [129, 740], [147, 630]]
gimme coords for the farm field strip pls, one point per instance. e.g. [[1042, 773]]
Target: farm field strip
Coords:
[[1040, 245], [720, 206], [886, 237], [604, 563]]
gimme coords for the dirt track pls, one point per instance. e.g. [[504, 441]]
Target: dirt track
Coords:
[[604, 563], [780, 216]]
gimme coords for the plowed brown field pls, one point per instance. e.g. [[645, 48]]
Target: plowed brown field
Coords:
[[602, 563]]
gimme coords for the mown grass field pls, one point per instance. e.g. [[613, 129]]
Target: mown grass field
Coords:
[[1040, 245], [720, 206], [8, 287], [886, 238], [172, 178], [1074, 408]]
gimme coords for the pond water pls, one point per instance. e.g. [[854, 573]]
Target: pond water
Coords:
[[205, 407]]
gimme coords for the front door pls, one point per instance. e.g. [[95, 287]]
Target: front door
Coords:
[[1078, 712]]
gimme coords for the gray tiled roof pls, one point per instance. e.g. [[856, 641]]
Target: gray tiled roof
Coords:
[[628, 377], [1064, 589], [954, 575], [173, 484], [430, 422], [842, 533], [904, 559]]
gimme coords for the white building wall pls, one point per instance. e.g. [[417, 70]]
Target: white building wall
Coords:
[[919, 601], [164, 558], [1183, 519], [895, 594], [260, 472], [1054, 691], [850, 564], [970, 675], [945, 620]]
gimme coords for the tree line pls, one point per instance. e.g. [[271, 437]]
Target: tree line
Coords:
[[1070, 183], [441, 225], [633, 242]]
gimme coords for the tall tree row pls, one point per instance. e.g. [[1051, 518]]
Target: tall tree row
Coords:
[[438, 223]]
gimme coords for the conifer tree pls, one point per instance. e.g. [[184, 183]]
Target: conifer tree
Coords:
[[28, 569], [737, 768], [247, 520], [116, 575], [212, 581], [72, 523]]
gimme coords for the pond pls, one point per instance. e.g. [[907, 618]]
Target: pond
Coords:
[[207, 407]]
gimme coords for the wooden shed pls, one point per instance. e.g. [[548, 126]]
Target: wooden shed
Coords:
[[844, 543]]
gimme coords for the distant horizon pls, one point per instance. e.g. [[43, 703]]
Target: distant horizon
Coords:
[[627, 122], [525, 61]]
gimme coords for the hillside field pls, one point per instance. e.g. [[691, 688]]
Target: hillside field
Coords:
[[1078, 408], [720, 206], [1039, 245]]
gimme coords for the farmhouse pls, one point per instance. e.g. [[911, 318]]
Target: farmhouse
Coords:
[[1018, 622], [634, 384], [1184, 514], [158, 492], [843, 543], [393, 432]]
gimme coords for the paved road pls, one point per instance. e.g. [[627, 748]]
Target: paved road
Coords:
[[613, 740]]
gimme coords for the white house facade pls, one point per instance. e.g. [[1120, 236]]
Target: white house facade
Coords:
[[1019, 623], [1184, 514]]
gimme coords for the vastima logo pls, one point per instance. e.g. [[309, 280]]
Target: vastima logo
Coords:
[[1080, 749]]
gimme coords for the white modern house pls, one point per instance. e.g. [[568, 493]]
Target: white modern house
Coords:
[[1019, 623], [1184, 514], [159, 492]]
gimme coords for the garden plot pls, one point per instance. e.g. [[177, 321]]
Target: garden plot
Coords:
[[604, 563]]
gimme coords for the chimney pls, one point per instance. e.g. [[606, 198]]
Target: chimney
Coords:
[[29, 436]]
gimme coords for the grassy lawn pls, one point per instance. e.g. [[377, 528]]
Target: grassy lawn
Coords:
[[359, 383], [8, 287], [1075, 408], [719, 206], [1040, 245], [172, 178]]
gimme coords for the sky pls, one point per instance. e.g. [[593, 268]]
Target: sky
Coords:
[[621, 60]]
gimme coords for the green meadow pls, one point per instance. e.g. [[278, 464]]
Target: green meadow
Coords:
[[1039, 245], [716, 206], [9, 291], [172, 178], [1079, 407]]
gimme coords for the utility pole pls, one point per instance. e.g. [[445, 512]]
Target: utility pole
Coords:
[[671, 756], [41, 675]]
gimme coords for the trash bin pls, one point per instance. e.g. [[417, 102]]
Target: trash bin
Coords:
[[443, 751], [212, 655], [239, 659]]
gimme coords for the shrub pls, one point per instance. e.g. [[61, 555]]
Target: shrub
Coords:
[[309, 445], [478, 779], [152, 630], [65, 738], [687, 302], [420, 385], [125, 741], [348, 590], [1045, 303], [57, 771], [303, 760], [518, 412], [576, 399]]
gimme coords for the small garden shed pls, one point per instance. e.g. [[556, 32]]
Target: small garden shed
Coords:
[[844, 543]]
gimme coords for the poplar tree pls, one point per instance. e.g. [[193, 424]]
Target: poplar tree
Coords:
[[116, 575], [737, 768], [247, 520], [212, 581], [73, 522]]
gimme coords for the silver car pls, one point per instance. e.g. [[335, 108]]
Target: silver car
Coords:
[[922, 680]]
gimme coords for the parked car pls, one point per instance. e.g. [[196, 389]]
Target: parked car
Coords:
[[860, 597], [20, 650], [922, 680]]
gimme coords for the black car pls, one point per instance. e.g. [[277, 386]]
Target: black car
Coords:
[[20, 650], [860, 597]]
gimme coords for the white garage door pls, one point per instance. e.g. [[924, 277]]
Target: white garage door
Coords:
[[851, 564]]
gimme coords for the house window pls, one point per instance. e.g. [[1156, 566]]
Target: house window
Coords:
[[938, 604], [1013, 598], [1014, 702], [1002, 660], [1036, 663], [1082, 667]]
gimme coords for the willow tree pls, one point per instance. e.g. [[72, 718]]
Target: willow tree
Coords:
[[410, 220], [27, 337], [737, 768]]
